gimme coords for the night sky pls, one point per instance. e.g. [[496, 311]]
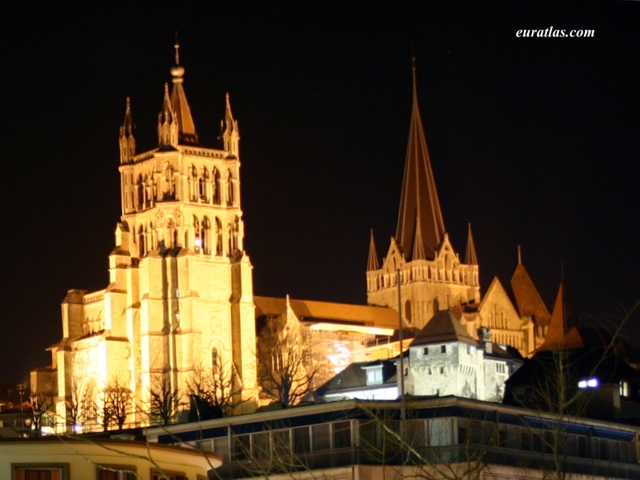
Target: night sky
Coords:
[[535, 141]]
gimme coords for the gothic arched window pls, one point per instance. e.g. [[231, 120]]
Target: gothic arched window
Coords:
[[205, 235], [139, 193], [142, 249], [168, 183], [407, 311], [218, 237], [202, 185], [229, 188], [197, 239], [215, 362], [215, 185], [193, 183]]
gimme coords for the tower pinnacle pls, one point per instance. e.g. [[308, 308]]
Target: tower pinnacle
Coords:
[[231, 133], [127, 140]]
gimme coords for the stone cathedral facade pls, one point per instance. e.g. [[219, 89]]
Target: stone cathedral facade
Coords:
[[180, 292], [180, 283]]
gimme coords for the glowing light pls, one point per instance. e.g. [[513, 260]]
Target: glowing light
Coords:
[[592, 382]]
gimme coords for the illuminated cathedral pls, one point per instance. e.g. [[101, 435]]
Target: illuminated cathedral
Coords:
[[180, 292]]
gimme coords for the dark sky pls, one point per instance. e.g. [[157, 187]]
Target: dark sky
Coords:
[[535, 141]]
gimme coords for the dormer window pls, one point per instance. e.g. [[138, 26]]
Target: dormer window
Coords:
[[374, 375]]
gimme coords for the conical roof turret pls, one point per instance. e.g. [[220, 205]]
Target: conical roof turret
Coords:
[[186, 128]]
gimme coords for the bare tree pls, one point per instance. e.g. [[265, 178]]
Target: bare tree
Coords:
[[163, 403], [116, 404], [553, 383], [286, 369], [80, 408], [40, 406], [219, 387]]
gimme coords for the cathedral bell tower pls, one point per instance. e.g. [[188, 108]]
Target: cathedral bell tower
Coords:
[[421, 267], [180, 280]]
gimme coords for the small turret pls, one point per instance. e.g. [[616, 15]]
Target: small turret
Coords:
[[167, 123], [127, 140], [185, 126], [230, 133]]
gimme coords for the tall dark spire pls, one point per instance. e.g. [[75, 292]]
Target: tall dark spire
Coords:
[[419, 199]]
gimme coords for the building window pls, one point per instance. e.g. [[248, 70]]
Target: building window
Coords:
[[374, 376], [425, 351], [320, 437], [164, 475], [624, 388], [501, 368], [40, 472], [301, 440], [443, 349], [341, 434], [117, 472]]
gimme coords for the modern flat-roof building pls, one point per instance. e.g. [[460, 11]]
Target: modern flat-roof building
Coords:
[[442, 437]]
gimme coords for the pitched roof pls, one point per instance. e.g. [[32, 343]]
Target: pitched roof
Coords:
[[311, 310], [355, 377], [443, 327], [419, 199]]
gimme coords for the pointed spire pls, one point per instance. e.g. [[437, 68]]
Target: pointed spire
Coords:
[[419, 199], [418, 244], [186, 127], [372, 262], [528, 299], [470, 257], [167, 122], [127, 140], [563, 331], [230, 133]]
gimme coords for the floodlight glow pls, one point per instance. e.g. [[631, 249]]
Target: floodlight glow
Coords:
[[592, 382], [198, 242]]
